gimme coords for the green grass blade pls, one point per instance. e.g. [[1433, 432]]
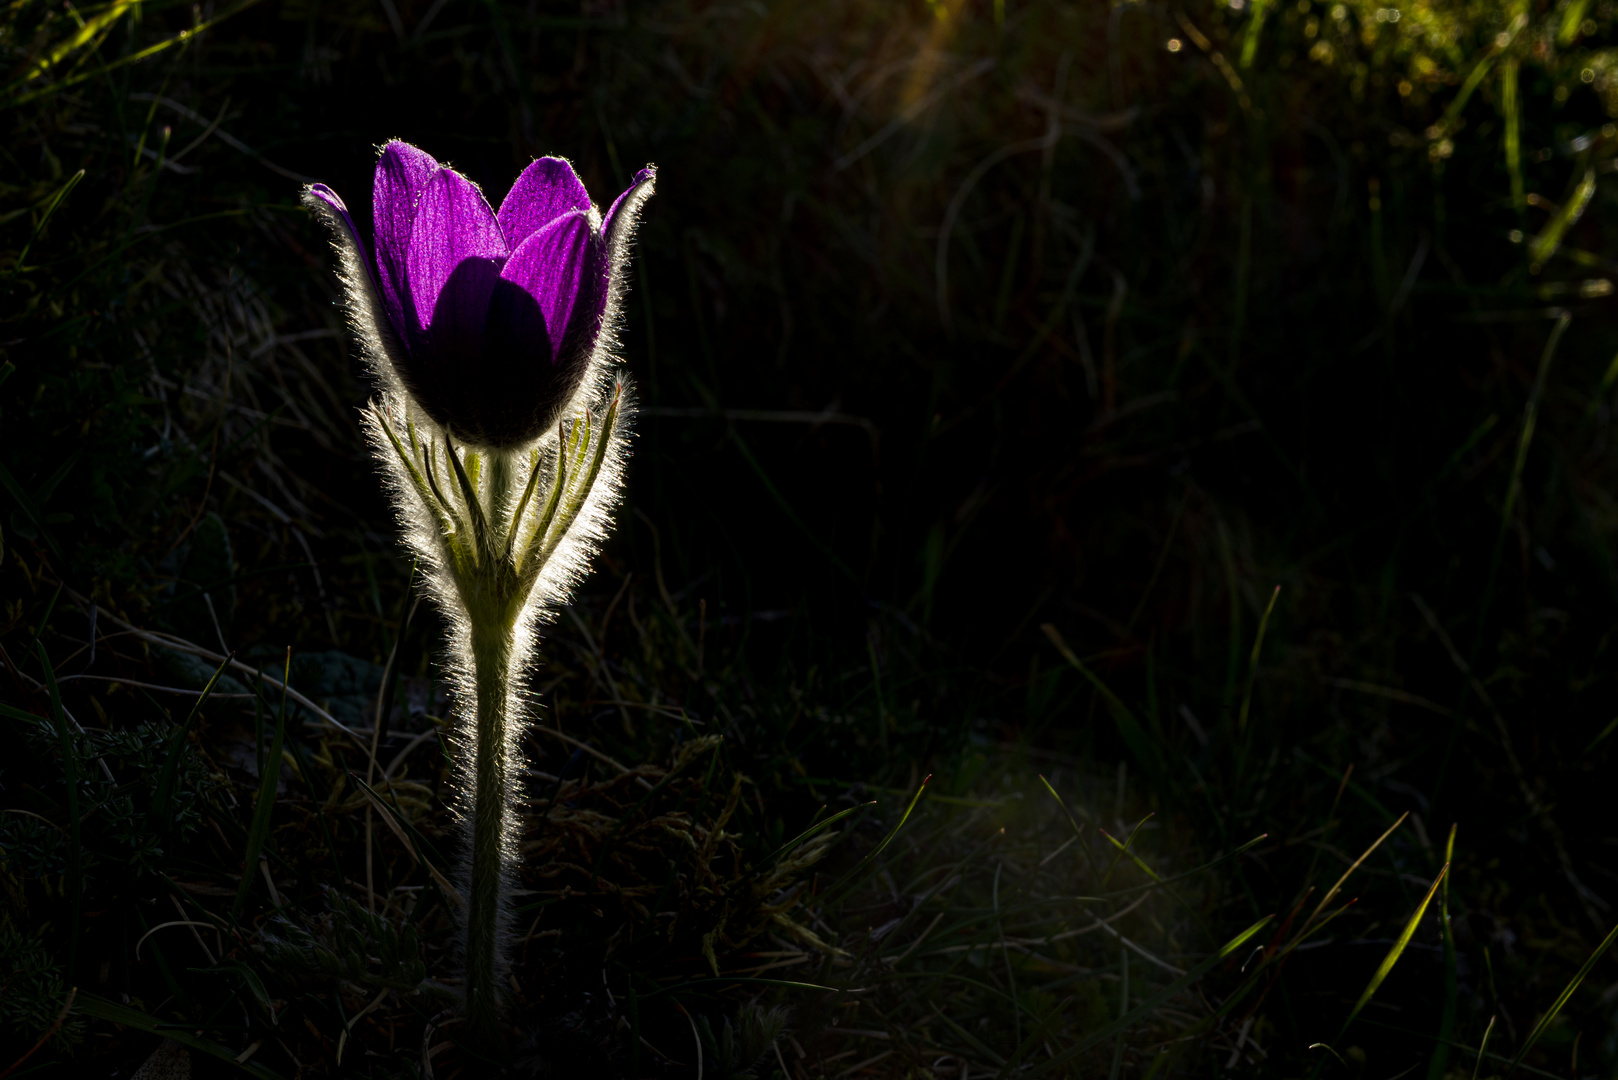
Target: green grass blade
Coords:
[[1543, 246], [56, 200], [1568, 31], [739, 979], [1483, 1047], [26, 504], [818, 827], [1123, 1011], [50, 609], [17, 714], [1561, 1000], [151, 50], [102, 1009], [1396, 951], [1078, 829], [1226, 857], [420, 849], [163, 787], [1135, 1015], [886, 840], [1474, 79], [264, 803], [1446, 1025], [1134, 735], [70, 775], [1123, 847], [1512, 114], [1252, 662]]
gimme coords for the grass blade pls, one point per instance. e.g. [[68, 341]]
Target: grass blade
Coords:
[[1446, 1024], [1252, 663], [55, 201], [163, 787], [1078, 829], [1396, 951], [102, 1009], [1513, 120], [1543, 246], [410, 838], [1483, 1047], [1123, 1011], [70, 775], [1338, 887], [776, 855], [1561, 1000], [1138, 1013], [264, 803], [886, 840], [1129, 727]]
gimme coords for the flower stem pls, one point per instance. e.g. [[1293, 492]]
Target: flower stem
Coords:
[[491, 661]]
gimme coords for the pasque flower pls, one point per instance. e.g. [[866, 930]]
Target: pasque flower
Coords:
[[492, 330], [489, 318]]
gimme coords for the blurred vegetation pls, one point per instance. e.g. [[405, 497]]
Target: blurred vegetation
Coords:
[[1206, 406]]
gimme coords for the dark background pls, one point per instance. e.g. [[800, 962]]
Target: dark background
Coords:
[[1211, 323]]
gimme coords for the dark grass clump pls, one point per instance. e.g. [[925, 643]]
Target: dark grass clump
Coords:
[[1001, 360]]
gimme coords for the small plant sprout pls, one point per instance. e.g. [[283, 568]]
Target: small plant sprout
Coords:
[[500, 425]]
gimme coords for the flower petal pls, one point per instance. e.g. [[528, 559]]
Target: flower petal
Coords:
[[453, 225], [629, 203], [558, 267], [376, 328], [545, 191], [618, 229], [330, 203], [401, 174]]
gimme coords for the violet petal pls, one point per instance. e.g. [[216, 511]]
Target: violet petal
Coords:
[[363, 295], [401, 173], [545, 191], [452, 263], [332, 200], [553, 267], [639, 190]]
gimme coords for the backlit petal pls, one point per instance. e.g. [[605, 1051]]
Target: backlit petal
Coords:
[[629, 203], [545, 191], [401, 174], [556, 266], [619, 228], [453, 260]]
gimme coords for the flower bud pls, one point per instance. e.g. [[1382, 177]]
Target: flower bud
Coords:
[[491, 320]]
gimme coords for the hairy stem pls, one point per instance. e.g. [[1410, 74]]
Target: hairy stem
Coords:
[[493, 619], [491, 661]]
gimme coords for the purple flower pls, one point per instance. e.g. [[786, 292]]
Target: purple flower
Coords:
[[490, 319]]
